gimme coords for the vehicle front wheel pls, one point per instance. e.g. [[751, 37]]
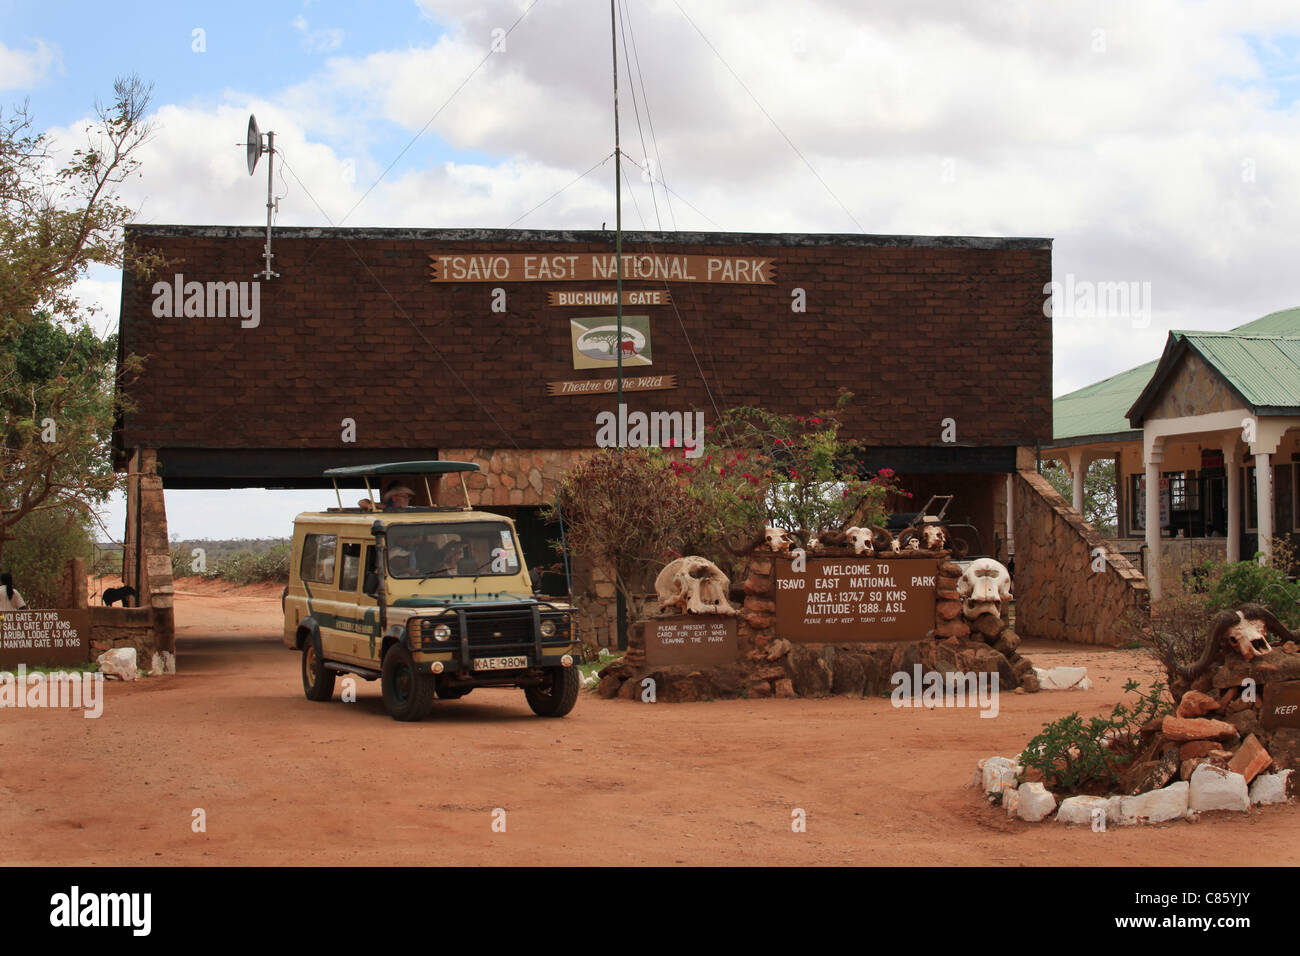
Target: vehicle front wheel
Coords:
[[317, 681], [408, 694], [557, 698]]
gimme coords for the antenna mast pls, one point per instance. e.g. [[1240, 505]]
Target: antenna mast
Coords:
[[255, 150], [618, 216]]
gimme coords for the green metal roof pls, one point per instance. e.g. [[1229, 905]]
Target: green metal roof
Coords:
[[1099, 409], [1260, 358], [1264, 369], [402, 468]]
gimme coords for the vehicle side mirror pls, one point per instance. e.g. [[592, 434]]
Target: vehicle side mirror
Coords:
[[371, 584]]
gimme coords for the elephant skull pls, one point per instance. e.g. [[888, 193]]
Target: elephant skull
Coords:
[[695, 585], [983, 587]]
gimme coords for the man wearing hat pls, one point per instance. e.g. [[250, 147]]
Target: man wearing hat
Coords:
[[398, 497]]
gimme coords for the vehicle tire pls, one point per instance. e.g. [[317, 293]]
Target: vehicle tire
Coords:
[[317, 680], [557, 699], [408, 694]]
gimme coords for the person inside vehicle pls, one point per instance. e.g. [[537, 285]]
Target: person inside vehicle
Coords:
[[398, 497]]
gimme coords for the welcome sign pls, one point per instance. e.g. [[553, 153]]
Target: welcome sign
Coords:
[[588, 266]]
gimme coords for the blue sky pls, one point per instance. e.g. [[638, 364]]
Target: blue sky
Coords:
[[1154, 142]]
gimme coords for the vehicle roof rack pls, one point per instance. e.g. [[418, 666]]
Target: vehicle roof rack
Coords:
[[424, 468]]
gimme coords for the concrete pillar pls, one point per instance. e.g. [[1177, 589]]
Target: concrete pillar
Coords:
[[1154, 457], [1232, 470], [1077, 460], [146, 559], [1264, 503]]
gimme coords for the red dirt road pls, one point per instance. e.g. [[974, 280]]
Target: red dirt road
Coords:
[[283, 780]]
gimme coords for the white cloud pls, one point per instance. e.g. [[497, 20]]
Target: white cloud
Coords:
[[23, 69], [1162, 157], [317, 41]]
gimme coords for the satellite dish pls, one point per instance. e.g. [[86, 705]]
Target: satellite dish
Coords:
[[254, 143]]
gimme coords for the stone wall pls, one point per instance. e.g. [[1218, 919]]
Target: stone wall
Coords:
[[113, 627], [1058, 595]]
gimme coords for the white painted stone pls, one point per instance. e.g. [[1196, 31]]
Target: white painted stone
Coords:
[[1011, 800], [1213, 788], [1158, 806], [1270, 787], [1062, 678], [604, 652], [1079, 809], [998, 772], [164, 662], [119, 663], [1118, 812], [1035, 802], [1085, 684]]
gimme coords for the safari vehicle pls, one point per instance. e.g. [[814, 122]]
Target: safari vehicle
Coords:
[[429, 601]]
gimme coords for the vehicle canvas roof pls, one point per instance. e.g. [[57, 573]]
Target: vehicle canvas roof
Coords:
[[409, 516], [402, 468]]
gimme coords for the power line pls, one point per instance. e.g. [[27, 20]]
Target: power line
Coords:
[[562, 189], [404, 314], [774, 123], [490, 53], [636, 111], [659, 160]]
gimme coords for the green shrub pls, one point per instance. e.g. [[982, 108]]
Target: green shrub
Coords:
[[1243, 582], [42, 544], [1074, 755]]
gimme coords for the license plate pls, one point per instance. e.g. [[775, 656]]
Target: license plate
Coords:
[[499, 663]]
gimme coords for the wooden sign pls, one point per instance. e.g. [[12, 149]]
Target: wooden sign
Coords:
[[856, 599], [44, 637], [1281, 705], [598, 266], [607, 297], [609, 386], [690, 639]]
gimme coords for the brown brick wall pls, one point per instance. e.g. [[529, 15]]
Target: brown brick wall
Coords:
[[947, 328]]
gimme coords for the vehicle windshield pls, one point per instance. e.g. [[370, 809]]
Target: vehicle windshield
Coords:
[[461, 549]]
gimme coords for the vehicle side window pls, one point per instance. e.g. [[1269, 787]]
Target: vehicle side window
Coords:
[[351, 567], [318, 558]]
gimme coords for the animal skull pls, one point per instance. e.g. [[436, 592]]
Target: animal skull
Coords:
[[695, 585], [1248, 637], [983, 587], [861, 540], [933, 537], [778, 539]]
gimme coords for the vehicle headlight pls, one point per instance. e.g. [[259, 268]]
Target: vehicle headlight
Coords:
[[548, 629], [441, 632]]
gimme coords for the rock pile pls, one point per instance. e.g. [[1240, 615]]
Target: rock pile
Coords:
[[1229, 728]]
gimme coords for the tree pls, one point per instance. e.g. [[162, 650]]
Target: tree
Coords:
[[627, 513], [790, 471], [56, 375], [1099, 502]]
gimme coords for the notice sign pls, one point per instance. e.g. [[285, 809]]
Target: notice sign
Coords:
[[690, 639], [44, 637], [856, 599], [1281, 705]]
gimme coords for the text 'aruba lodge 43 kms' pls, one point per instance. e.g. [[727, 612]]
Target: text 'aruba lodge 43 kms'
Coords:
[[589, 266]]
